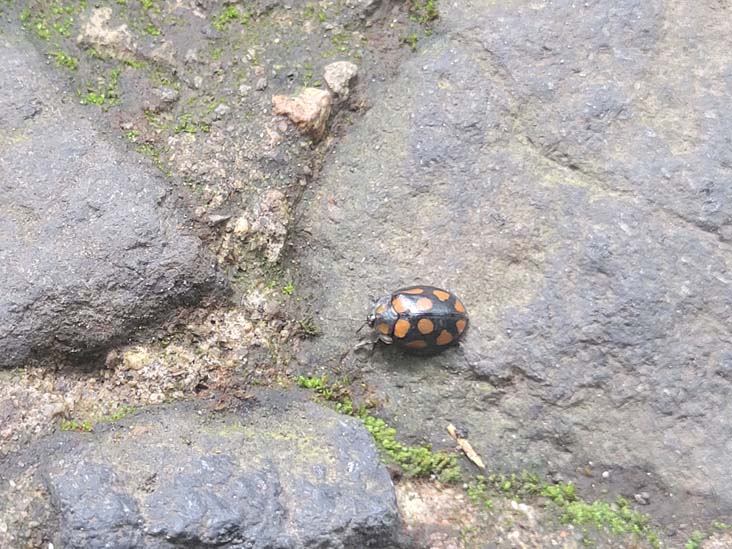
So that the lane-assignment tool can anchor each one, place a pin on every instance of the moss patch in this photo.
(413, 461)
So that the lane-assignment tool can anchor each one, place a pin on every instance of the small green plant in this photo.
(147, 4)
(71, 425)
(228, 15)
(64, 60)
(411, 41)
(424, 13)
(478, 493)
(152, 30)
(695, 540)
(42, 30)
(308, 327)
(118, 414)
(288, 289)
(107, 94)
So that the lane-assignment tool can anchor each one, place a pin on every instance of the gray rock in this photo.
(286, 474)
(90, 244)
(559, 167)
(340, 76)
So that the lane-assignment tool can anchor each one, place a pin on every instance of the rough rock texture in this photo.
(309, 109)
(285, 474)
(562, 167)
(89, 246)
(340, 76)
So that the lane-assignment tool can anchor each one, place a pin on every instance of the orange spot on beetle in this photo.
(444, 338)
(414, 291)
(383, 328)
(425, 326)
(400, 304)
(424, 304)
(401, 327)
(381, 309)
(459, 306)
(460, 326)
(417, 344)
(441, 295)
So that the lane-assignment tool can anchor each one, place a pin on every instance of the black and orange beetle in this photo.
(419, 319)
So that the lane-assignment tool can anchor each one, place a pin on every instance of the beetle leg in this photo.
(385, 339)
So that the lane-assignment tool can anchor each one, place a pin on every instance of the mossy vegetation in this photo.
(413, 461)
(617, 518)
(65, 60)
(230, 14)
(87, 425)
(697, 536)
(614, 517)
(105, 93)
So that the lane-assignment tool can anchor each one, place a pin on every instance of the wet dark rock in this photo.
(559, 167)
(90, 244)
(285, 474)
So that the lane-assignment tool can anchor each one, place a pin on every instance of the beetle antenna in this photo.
(362, 326)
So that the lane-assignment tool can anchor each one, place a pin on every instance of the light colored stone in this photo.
(309, 110)
(136, 358)
(340, 76)
(241, 227)
(97, 32)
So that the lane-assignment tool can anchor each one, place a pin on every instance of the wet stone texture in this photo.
(282, 474)
(564, 168)
(91, 246)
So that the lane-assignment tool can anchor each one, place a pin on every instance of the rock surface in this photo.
(90, 247)
(309, 109)
(286, 473)
(340, 76)
(561, 167)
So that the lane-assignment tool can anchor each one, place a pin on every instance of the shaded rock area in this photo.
(281, 473)
(92, 243)
(563, 168)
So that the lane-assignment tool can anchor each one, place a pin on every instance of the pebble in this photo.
(221, 111)
(309, 109)
(644, 498)
(340, 76)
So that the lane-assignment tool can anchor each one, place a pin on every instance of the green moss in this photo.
(44, 19)
(478, 493)
(71, 425)
(414, 461)
(105, 94)
(152, 30)
(186, 124)
(617, 517)
(118, 414)
(228, 15)
(697, 536)
(65, 60)
(411, 41)
(424, 13)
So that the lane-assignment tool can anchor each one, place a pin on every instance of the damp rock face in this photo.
(283, 475)
(91, 244)
(561, 167)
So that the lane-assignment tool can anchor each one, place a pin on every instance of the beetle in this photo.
(419, 319)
